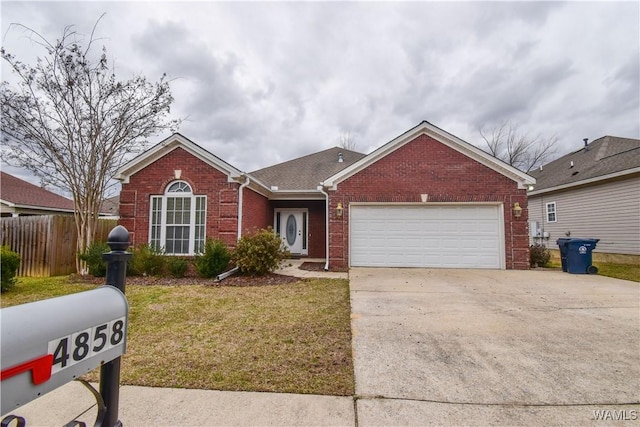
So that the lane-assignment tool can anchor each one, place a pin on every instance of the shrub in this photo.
(93, 257)
(214, 260)
(177, 267)
(539, 255)
(146, 261)
(9, 264)
(259, 253)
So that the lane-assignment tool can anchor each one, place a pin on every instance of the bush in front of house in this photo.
(177, 267)
(539, 255)
(259, 253)
(213, 260)
(93, 257)
(9, 264)
(146, 261)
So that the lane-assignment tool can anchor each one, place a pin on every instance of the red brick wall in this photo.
(222, 196)
(426, 166)
(256, 213)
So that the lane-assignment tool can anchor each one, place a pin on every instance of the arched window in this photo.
(177, 220)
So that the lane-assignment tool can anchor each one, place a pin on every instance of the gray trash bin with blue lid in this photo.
(579, 258)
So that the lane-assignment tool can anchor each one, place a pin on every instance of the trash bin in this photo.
(579, 256)
(562, 244)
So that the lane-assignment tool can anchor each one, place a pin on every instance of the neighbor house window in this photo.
(177, 220)
(551, 212)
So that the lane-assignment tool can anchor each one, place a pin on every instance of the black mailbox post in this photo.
(118, 241)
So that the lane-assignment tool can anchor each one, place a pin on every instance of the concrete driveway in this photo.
(487, 347)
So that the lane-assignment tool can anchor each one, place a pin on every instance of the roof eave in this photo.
(41, 208)
(585, 181)
(297, 195)
(258, 186)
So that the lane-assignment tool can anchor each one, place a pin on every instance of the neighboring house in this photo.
(21, 198)
(109, 207)
(591, 193)
(424, 199)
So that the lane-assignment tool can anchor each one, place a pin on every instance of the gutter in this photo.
(226, 274)
(326, 215)
(240, 199)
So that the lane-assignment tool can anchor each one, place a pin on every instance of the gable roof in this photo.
(17, 193)
(305, 176)
(166, 146)
(605, 158)
(307, 172)
(443, 137)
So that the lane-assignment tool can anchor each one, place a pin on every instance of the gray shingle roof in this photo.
(307, 172)
(604, 156)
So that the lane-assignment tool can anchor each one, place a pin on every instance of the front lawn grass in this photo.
(291, 338)
(617, 271)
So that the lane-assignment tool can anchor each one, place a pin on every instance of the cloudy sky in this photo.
(259, 83)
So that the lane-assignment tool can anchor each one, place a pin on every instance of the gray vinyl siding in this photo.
(609, 212)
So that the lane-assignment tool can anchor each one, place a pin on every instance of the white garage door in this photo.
(448, 236)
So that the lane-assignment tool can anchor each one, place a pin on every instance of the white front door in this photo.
(292, 227)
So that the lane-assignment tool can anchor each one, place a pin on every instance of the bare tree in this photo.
(70, 122)
(518, 149)
(348, 141)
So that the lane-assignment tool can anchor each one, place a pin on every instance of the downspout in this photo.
(321, 188)
(240, 192)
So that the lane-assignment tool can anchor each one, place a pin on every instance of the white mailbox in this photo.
(46, 344)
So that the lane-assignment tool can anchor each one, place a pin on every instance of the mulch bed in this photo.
(270, 279)
(312, 266)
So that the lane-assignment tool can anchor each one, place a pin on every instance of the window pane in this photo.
(177, 240)
(156, 222)
(304, 230)
(551, 212)
(179, 187)
(199, 237)
(173, 224)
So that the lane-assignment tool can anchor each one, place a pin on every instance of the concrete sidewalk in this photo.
(291, 267)
(148, 406)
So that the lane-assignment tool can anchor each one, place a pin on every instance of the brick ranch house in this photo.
(424, 199)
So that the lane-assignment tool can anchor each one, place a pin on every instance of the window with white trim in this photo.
(551, 212)
(177, 220)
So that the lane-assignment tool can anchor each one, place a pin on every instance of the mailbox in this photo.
(46, 344)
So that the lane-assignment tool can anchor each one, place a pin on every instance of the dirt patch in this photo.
(266, 280)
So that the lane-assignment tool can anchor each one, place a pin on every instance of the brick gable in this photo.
(426, 166)
(222, 196)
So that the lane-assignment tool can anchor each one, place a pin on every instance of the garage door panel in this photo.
(451, 236)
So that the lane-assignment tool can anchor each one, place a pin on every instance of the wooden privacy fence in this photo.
(47, 243)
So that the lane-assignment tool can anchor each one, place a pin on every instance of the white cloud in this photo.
(260, 83)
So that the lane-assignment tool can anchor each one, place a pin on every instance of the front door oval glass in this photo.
(291, 230)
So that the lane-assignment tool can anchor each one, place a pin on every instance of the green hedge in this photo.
(9, 264)
(259, 253)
